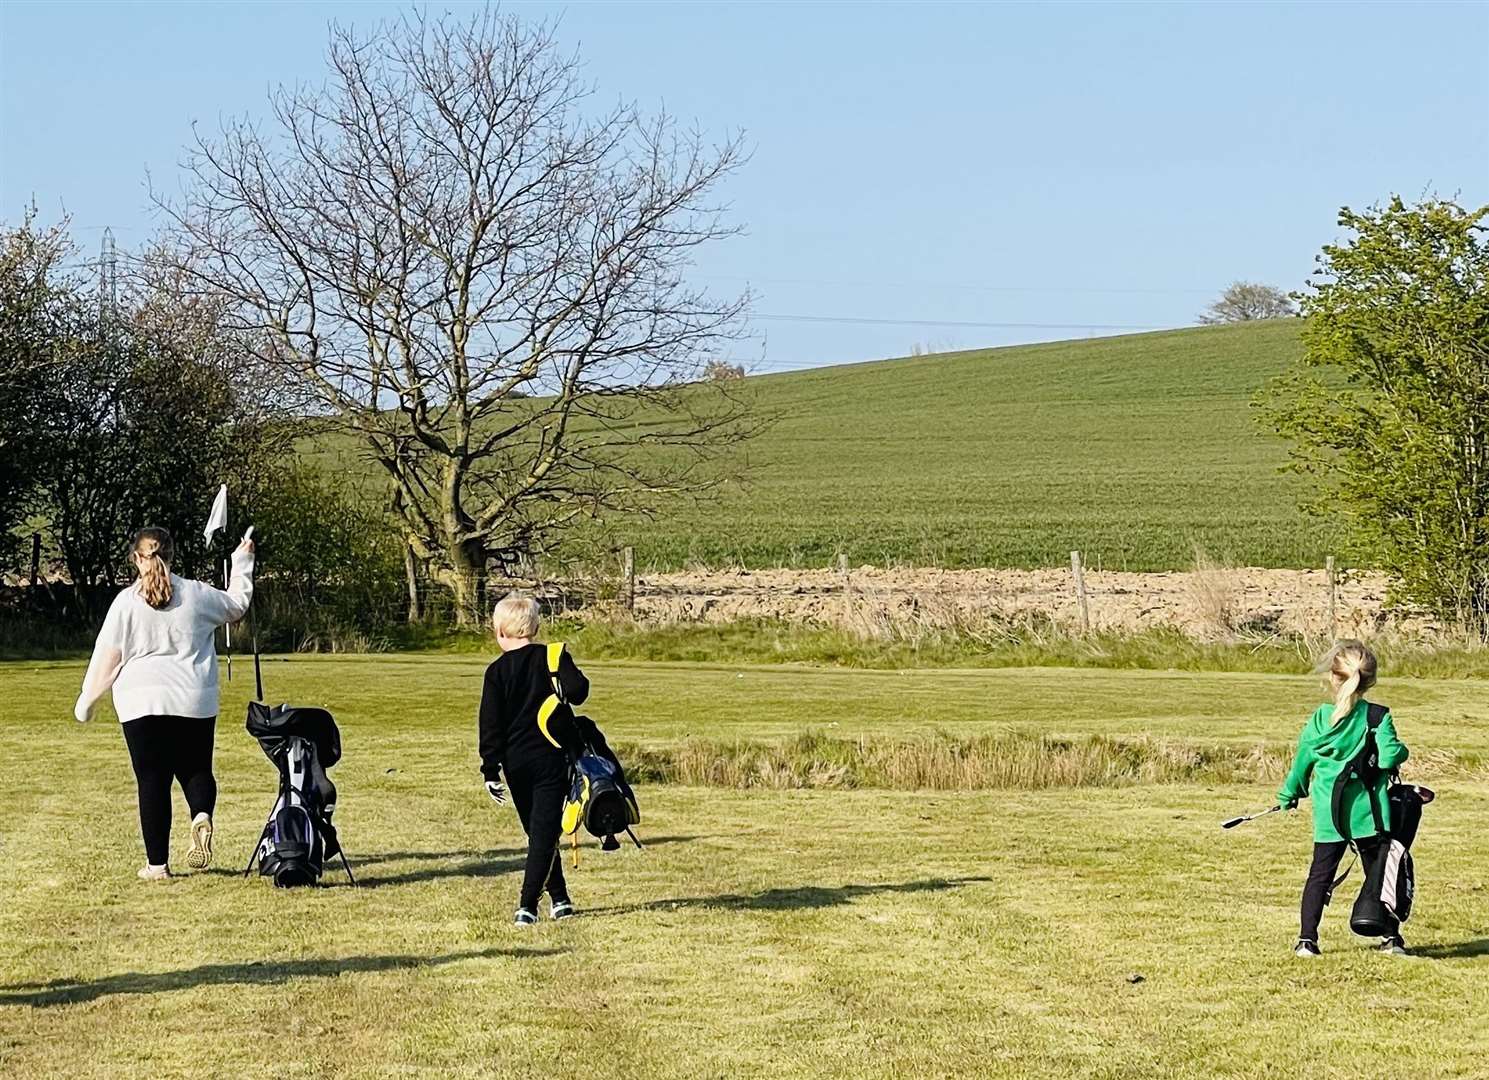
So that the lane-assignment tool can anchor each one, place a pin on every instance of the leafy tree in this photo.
(1244, 301)
(480, 277)
(114, 417)
(1391, 405)
(34, 318)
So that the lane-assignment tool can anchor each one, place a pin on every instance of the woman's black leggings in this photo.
(1326, 858)
(538, 793)
(162, 749)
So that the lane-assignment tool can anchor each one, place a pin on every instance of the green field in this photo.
(1091, 932)
(1133, 449)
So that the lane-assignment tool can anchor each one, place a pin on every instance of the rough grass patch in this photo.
(1015, 760)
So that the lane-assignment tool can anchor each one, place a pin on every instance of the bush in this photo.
(330, 566)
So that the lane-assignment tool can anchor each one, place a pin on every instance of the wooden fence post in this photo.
(628, 568)
(1080, 591)
(1333, 618)
(35, 558)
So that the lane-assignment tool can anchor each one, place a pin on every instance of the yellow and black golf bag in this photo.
(600, 799)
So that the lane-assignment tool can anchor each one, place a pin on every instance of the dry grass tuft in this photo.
(1013, 760)
(1214, 591)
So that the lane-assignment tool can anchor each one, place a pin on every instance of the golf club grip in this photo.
(1233, 822)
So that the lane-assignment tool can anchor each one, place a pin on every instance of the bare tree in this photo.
(481, 278)
(1244, 301)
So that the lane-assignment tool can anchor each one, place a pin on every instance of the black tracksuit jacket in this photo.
(516, 685)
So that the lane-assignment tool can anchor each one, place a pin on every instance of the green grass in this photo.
(1133, 449)
(764, 932)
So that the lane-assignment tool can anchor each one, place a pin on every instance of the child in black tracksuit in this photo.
(532, 740)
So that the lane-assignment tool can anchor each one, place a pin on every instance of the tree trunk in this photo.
(467, 581)
(411, 573)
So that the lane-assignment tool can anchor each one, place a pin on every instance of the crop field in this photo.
(1133, 449)
(1102, 930)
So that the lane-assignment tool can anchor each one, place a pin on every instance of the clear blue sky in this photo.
(1073, 164)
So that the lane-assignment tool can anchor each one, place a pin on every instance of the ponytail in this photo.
(1351, 666)
(153, 551)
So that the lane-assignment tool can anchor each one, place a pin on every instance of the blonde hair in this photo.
(153, 551)
(1351, 667)
(515, 617)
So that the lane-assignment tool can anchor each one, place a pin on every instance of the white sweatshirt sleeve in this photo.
(103, 668)
(232, 605)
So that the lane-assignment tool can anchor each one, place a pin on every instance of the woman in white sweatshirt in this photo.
(157, 652)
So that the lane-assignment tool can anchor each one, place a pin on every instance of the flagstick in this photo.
(227, 628)
(217, 519)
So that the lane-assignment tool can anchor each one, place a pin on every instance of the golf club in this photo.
(1233, 822)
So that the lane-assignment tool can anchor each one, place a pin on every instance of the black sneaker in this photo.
(524, 918)
(1393, 946)
(562, 909)
(1307, 948)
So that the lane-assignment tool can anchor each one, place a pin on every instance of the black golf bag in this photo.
(600, 799)
(1390, 883)
(299, 837)
(1391, 879)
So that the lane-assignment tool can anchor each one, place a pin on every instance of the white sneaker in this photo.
(200, 855)
(154, 873)
(1306, 948)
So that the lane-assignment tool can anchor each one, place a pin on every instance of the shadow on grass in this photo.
(71, 991)
(1461, 950)
(472, 864)
(804, 897)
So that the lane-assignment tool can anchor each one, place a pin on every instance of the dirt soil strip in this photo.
(1198, 602)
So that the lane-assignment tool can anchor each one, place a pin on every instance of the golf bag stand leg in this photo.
(346, 866)
(259, 843)
(253, 858)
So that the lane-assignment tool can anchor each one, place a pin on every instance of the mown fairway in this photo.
(1133, 449)
(764, 933)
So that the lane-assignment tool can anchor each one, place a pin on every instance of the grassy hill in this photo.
(1133, 449)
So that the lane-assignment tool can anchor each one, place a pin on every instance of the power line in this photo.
(867, 321)
(940, 285)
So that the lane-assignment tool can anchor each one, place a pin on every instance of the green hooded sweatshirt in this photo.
(1324, 749)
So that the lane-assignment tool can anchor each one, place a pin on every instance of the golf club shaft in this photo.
(1233, 822)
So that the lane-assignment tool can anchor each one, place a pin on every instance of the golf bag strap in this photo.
(1353, 858)
(1374, 714)
(555, 699)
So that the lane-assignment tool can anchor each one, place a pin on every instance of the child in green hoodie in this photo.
(1331, 738)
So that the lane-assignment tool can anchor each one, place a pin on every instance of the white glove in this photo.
(81, 712)
(496, 791)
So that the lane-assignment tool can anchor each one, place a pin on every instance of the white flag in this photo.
(218, 518)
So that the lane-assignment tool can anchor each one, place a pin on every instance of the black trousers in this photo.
(1326, 859)
(538, 790)
(162, 749)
